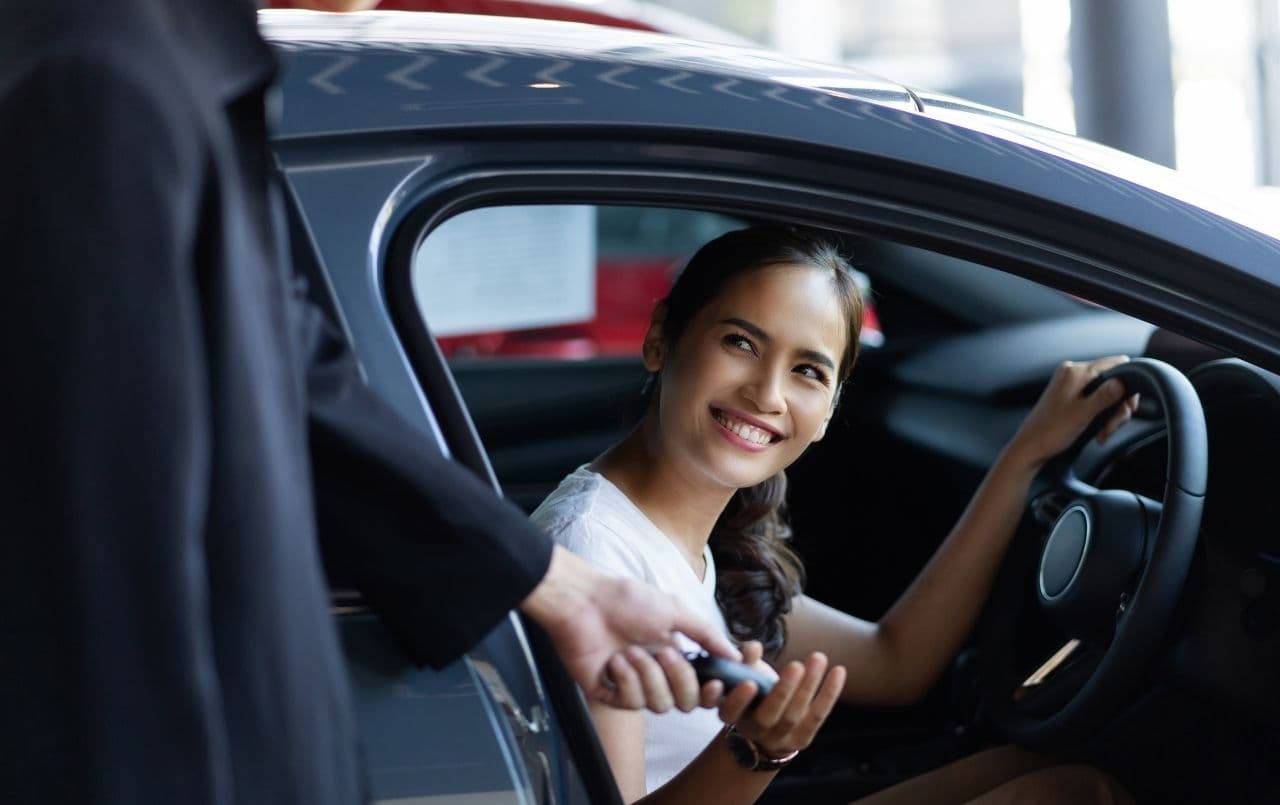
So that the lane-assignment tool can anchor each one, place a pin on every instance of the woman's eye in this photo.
(811, 371)
(740, 342)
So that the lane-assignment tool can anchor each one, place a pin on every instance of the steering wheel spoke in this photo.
(1050, 686)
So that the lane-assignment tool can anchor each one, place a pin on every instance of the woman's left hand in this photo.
(785, 720)
(1062, 412)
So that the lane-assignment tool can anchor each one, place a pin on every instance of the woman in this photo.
(747, 355)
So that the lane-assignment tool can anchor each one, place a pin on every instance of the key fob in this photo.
(709, 667)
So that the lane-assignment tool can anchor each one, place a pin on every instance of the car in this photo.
(450, 176)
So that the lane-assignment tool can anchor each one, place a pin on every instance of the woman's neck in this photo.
(682, 507)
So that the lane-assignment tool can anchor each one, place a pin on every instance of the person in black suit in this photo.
(166, 635)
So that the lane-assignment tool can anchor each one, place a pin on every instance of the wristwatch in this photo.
(749, 756)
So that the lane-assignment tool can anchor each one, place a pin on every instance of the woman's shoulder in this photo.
(583, 515)
(570, 504)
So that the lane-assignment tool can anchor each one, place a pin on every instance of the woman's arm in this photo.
(898, 659)
(713, 776)
(785, 721)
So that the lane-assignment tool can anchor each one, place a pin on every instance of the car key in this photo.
(732, 674)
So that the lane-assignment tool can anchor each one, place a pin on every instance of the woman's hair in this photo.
(757, 571)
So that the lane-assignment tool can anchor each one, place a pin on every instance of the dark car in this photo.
(455, 177)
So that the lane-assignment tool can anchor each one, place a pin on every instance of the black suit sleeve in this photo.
(434, 551)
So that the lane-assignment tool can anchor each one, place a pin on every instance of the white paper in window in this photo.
(508, 268)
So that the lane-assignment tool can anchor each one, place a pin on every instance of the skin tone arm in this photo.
(898, 659)
(785, 721)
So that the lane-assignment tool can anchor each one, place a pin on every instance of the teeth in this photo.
(749, 432)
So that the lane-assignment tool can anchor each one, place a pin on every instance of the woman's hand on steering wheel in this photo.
(1064, 410)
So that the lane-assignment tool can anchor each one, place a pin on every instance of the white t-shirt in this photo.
(593, 518)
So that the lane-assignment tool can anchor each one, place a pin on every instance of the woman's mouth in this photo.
(744, 430)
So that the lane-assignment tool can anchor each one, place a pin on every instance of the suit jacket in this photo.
(166, 635)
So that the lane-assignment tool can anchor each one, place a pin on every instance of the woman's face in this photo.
(752, 381)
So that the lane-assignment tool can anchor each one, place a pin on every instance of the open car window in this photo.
(556, 281)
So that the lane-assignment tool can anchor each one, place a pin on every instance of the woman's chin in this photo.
(737, 476)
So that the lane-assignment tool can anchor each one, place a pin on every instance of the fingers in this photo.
(623, 689)
(752, 652)
(789, 717)
(680, 676)
(830, 692)
(769, 710)
(702, 632)
(1111, 390)
(711, 693)
(802, 700)
(823, 703)
(658, 682)
(635, 679)
(654, 692)
(1122, 415)
(734, 705)
(1100, 365)
(1108, 395)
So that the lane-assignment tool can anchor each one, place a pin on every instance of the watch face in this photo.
(742, 751)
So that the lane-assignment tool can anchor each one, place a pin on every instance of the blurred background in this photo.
(1184, 83)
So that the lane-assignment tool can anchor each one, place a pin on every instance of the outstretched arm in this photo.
(898, 659)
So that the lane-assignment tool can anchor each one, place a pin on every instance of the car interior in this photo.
(541, 326)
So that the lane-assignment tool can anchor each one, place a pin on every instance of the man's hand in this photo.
(614, 636)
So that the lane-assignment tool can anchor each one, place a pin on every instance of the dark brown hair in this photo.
(758, 573)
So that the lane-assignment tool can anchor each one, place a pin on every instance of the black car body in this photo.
(982, 234)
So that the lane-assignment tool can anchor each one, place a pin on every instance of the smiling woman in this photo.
(767, 321)
(747, 355)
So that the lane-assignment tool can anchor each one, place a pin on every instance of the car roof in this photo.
(513, 37)
(400, 71)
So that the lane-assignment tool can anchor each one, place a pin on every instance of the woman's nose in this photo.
(765, 390)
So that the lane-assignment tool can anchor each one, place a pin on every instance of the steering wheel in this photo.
(1110, 574)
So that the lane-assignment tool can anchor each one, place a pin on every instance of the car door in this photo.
(504, 724)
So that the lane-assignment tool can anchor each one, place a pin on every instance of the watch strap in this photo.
(750, 757)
